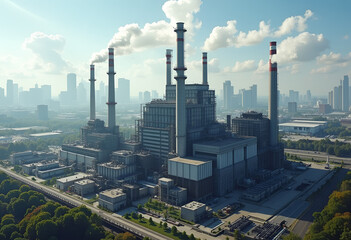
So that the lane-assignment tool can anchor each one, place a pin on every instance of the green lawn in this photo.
(155, 227)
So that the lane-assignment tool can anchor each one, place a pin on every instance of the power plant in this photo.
(178, 141)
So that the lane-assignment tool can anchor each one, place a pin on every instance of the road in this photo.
(118, 222)
(318, 202)
(317, 155)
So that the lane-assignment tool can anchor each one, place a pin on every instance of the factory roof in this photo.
(193, 205)
(84, 182)
(221, 144)
(188, 160)
(165, 180)
(113, 193)
(298, 124)
(75, 177)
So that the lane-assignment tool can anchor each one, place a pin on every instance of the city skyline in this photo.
(48, 45)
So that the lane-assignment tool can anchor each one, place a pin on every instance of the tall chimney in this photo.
(92, 92)
(169, 66)
(111, 90)
(180, 93)
(204, 68)
(273, 95)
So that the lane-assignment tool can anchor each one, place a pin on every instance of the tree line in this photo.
(334, 221)
(26, 215)
(337, 148)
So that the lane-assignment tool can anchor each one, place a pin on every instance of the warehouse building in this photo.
(170, 193)
(303, 127)
(84, 187)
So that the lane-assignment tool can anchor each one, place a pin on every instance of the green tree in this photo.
(24, 188)
(174, 230)
(7, 230)
(192, 237)
(45, 229)
(291, 236)
(151, 222)
(60, 211)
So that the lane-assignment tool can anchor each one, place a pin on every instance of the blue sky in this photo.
(42, 41)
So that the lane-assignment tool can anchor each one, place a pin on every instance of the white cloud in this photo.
(293, 23)
(262, 67)
(245, 66)
(47, 50)
(304, 47)
(331, 62)
(213, 65)
(133, 38)
(228, 36)
(293, 69)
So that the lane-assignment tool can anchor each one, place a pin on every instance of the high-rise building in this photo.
(308, 96)
(82, 94)
(147, 96)
(46, 90)
(292, 107)
(253, 89)
(293, 96)
(72, 87)
(337, 98)
(123, 92)
(331, 98)
(345, 94)
(9, 92)
(15, 94)
(228, 91)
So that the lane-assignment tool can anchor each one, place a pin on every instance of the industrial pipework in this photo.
(180, 93)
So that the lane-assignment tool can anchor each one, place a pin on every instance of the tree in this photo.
(60, 211)
(140, 217)
(134, 215)
(237, 235)
(165, 226)
(45, 229)
(140, 207)
(24, 188)
(7, 219)
(15, 235)
(174, 230)
(95, 219)
(18, 208)
(151, 222)
(7, 230)
(192, 237)
(291, 236)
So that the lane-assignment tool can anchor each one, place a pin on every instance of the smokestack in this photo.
(92, 92)
(169, 66)
(273, 95)
(180, 93)
(111, 90)
(204, 68)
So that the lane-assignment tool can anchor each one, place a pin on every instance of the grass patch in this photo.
(92, 200)
(160, 227)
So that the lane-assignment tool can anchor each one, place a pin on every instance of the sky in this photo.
(41, 41)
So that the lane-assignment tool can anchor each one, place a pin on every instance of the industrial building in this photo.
(170, 193)
(193, 211)
(97, 140)
(66, 182)
(84, 187)
(113, 200)
(303, 127)
(31, 157)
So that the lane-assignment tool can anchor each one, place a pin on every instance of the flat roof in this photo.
(84, 182)
(112, 193)
(310, 121)
(77, 177)
(188, 160)
(44, 134)
(297, 124)
(193, 205)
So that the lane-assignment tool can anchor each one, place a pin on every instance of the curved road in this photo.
(114, 220)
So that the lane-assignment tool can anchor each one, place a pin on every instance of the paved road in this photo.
(117, 221)
(318, 203)
(317, 155)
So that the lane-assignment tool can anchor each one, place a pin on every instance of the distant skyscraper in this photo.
(147, 96)
(293, 96)
(46, 90)
(253, 89)
(9, 92)
(331, 98)
(345, 94)
(123, 93)
(228, 91)
(337, 98)
(15, 94)
(82, 94)
(308, 96)
(2, 95)
(246, 98)
(72, 86)
(292, 107)
(43, 113)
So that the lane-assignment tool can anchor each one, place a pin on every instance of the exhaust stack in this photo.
(273, 95)
(204, 68)
(180, 93)
(92, 92)
(111, 90)
(169, 66)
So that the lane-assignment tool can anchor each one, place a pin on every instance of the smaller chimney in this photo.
(111, 123)
(169, 66)
(204, 68)
(92, 92)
